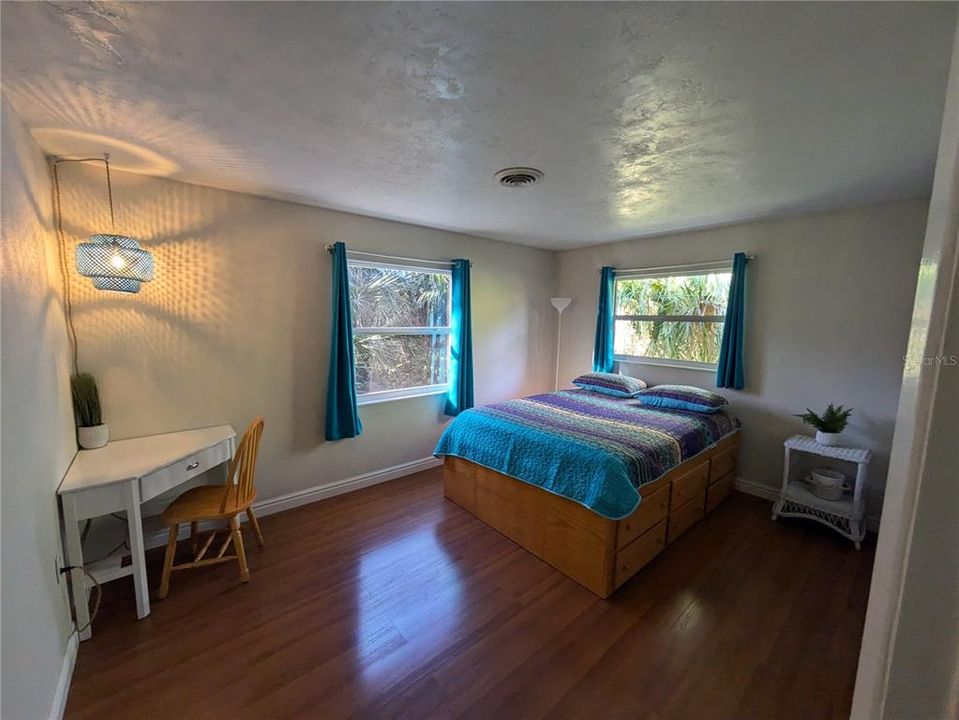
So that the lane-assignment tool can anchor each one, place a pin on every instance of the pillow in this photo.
(682, 397)
(610, 384)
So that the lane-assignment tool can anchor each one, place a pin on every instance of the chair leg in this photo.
(255, 524)
(193, 537)
(240, 551)
(168, 560)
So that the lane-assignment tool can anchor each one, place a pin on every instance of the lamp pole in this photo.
(560, 303)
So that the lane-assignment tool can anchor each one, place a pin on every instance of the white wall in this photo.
(924, 672)
(830, 296)
(909, 662)
(37, 439)
(236, 323)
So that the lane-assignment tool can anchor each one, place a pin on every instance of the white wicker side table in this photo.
(846, 516)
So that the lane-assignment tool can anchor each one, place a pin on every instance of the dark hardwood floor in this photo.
(393, 602)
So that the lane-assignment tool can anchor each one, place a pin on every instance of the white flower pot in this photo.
(93, 437)
(830, 439)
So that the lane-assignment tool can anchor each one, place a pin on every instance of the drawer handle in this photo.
(193, 465)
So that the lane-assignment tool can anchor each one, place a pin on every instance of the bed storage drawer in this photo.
(652, 509)
(719, 491)
(690, 485)
(723, 462)
(681, 519)
(640, 551)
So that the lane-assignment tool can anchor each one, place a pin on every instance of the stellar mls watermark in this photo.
(927, 360)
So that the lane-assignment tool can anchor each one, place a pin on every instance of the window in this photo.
(671, 319)
(401, 327)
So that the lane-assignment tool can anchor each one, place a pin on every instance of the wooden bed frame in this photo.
(598, 553)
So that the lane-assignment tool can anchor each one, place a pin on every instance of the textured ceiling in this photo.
(644, 117)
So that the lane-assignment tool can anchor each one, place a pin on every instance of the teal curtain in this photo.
(730, 372)
(603, 348)
(342, 415)
(460, 395)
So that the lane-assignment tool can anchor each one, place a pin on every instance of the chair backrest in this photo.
(239, 487)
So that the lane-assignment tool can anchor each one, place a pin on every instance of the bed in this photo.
(595, 485)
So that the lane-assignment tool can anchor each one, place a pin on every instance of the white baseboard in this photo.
(63, 681)
(315, 494)
(339, 487)
(754, 488)
(767, 493)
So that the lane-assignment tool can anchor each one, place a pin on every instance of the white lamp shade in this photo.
(561, 303)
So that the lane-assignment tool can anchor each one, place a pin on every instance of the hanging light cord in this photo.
(62, 243)
(68, 306)
(106, 162)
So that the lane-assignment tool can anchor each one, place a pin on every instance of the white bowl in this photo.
(827, 484)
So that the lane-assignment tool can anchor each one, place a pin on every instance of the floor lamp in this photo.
(560, 304)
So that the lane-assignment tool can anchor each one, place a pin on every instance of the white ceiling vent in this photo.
(518, 176)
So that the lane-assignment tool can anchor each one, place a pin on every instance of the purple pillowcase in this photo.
(682, 397)
(610, 384)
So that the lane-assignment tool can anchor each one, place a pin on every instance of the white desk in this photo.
(120, 477)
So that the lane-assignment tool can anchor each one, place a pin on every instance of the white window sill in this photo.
(660, 362)
(402, 394)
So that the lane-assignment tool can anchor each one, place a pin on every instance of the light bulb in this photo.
(118, 262)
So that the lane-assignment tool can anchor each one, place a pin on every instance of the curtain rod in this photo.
(684, 266)
(382, 256)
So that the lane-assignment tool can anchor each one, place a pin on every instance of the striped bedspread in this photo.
(591, 448)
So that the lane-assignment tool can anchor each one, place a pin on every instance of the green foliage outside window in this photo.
(691, 295)
(390, 298)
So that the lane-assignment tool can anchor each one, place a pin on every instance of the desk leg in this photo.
(135, 529)
(73, 549)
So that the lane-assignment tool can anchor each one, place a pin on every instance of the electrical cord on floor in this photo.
(81, 568)
(86, 530)
(123, 544)
(99, 589)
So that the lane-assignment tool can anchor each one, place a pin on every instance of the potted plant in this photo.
(92, 432)
(829, 425)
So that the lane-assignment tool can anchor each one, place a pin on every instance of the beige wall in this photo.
(36, 430)
(236, 323)
(830, 297)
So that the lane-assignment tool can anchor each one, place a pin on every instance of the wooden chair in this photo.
(215, 502)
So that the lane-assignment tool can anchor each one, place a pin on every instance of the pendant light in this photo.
(114, 262)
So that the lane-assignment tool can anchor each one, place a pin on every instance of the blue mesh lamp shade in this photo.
(114, 262)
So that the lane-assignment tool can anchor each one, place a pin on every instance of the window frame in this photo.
(711, 268)
(371, 398)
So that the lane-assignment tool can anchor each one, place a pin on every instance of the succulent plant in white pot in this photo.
(92, 432)
(829, 425)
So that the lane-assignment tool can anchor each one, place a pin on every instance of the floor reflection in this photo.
(411, 586)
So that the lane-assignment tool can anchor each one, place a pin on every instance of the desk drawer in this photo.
(691, 485)
(179, 472)
(682, 519)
